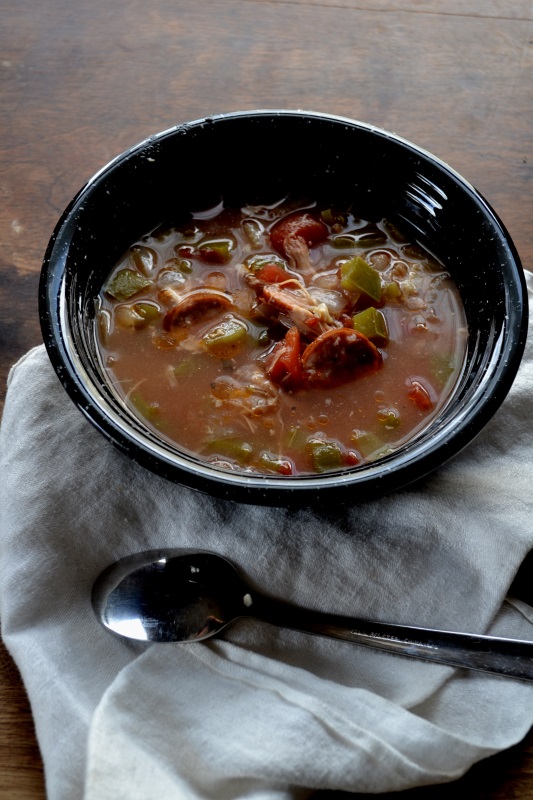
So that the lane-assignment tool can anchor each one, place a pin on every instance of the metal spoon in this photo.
(186, 596)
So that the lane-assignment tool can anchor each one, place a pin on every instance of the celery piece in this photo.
(296, 439)
(217, 251)
(331, 217)
(389, 418)
(180, 264)
(225, 338)
(371, 239)
(372, 324)
(359, 277)
(231, 447)
(442, 367)
(150, 411)
(392, 291)
(326, 455)
(125, 284)
(367, 443)
(275, 463)
(147, 311)
(184, 369)
(344, 241)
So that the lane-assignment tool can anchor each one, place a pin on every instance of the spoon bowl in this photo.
(181, 595)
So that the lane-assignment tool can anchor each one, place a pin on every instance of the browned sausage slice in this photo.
(338, 356)
(195, 306)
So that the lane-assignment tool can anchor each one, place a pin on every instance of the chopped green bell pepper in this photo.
(372, 324)
(225, 338)
(233, 447)
(125, 284)
(357, 276)
(326, 455)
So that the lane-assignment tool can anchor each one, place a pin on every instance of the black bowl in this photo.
(251, 157)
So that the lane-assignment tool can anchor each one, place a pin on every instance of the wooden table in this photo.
(83, 81)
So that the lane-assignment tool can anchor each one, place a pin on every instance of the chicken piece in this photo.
(297, 251)
(299, 225)
(248, 391)
(292, 236)
(309, 316)
(291, 298)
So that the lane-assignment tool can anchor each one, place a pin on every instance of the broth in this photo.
(282, 339)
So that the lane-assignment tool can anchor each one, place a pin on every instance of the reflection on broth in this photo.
(282, 340)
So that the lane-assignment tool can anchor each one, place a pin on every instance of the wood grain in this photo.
(81, 82)
(495, 9)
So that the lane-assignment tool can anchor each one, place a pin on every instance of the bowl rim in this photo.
(414, 460)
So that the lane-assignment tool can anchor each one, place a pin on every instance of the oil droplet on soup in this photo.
(285, 339)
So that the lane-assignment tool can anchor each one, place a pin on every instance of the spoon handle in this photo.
(510, 657)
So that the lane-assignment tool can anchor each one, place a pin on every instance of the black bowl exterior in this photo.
(261, 156)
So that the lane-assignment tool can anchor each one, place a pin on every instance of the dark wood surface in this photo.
(80, 82)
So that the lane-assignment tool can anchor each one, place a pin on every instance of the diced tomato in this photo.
(309, 228)
(272, 273)
(351, 459)
(212, 256)
(420, 396)
(284, 365)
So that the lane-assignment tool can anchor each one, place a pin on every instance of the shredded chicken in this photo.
(297, 251)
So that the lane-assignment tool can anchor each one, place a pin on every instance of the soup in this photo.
(288, 339)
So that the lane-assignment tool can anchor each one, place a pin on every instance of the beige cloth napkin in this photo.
(262, 713)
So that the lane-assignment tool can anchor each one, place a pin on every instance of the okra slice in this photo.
(357, 276)
(125, 284)
(372, 324)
